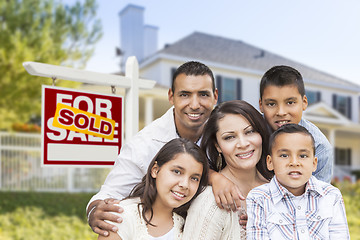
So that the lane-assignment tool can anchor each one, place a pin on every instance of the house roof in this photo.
(236, 53)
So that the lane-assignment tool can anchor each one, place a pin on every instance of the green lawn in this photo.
(55, 216)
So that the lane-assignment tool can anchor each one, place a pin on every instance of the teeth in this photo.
(179, 194)
(294, 173)
(282, 122)
(244, 154)
(194, 115)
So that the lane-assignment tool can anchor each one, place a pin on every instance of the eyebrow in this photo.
(249, 126)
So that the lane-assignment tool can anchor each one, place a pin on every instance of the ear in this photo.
(216, 96)
(315, 164)
(171, 96)
(154, 170)
(269, 163)
(260, 106)
(218, 148)
(304, 102)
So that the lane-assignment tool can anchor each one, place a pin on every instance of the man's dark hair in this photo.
(281, 76)
(290, 128)
(193, 68)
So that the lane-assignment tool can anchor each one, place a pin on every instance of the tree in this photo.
(46, 31)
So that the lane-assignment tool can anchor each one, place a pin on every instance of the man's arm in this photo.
(226, 193)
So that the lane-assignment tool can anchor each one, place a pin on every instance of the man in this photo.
(193, 96)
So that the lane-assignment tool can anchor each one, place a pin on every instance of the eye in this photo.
(303, 156)
(184, 95)
(196, 179)
(291, 102)
(176, 171)
(271, 104)
(204, 95)
(284, 155)
(228, 137)
(250, 131)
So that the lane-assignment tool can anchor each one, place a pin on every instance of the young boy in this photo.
(295, 205)
(282, 101)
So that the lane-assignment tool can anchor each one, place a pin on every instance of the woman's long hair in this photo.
(257, 121)
(146, 189)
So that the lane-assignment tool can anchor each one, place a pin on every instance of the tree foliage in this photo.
(46, 31)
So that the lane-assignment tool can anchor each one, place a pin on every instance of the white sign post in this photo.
(130, 82)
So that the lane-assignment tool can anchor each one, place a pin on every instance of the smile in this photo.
(178, 195)
(194, 116)
(295, 174)
(245, 155)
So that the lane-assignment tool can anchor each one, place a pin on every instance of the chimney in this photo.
(136, 38)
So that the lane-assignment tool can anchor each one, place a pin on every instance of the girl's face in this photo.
(239, 143)
(177, 180)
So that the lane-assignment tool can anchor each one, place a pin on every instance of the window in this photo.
(342, 104)
(313, 96)
(343, 156)
(228, 88)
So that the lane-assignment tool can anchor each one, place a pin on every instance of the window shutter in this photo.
(318, 96)
(349, 107)
(334, 101)
(348, 160)
(219, 87)
(238, 88)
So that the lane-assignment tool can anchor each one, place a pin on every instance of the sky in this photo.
(323, 34)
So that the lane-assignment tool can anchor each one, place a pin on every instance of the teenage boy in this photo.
(282, 101)
(193, 96)
(295, 205)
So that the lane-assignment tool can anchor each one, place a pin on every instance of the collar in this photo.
(278, 192)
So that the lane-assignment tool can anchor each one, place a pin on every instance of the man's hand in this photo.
(100, 211)
(227, 194)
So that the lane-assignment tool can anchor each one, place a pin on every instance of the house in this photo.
(334, 103)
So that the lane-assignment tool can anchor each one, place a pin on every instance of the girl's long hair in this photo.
(146, 189)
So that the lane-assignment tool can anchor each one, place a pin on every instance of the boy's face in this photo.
(282, 105)
(293, 161)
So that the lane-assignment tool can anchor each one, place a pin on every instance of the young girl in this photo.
(157, 207)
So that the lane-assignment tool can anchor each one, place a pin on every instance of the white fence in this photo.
(20, 168)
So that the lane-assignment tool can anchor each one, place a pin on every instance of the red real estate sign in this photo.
(80, 128)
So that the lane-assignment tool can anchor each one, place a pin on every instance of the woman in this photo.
(235, 139)
(156, 207)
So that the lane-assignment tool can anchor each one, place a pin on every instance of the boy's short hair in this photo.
(281, 76)
(193, 68)
(290, 128)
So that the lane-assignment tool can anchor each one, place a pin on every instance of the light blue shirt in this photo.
(323, 151)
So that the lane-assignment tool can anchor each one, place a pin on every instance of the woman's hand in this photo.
(100, 210)
(227, 195)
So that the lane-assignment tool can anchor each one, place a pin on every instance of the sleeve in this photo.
(126, 229)
(205, 221)
(338, 227)
(324, 153)
(130, 166)
(256, 224)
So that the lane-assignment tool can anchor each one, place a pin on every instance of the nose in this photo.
(184, 182)
(194, 102)
(281, 110)
(294, 162)
(242, 142)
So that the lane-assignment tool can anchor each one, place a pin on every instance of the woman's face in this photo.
(239, 143)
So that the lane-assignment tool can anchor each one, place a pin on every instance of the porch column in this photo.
(149, 110)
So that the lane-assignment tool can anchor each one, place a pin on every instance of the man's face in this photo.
(293, 161)
(193, 101)
(282, 105)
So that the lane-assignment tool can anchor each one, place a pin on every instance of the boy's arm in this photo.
(256, 224)
(338, 227)
(226, 193)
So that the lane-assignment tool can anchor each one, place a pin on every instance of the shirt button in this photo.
(280, 221)
(299, 207)
(318, 217)
(302, 230)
